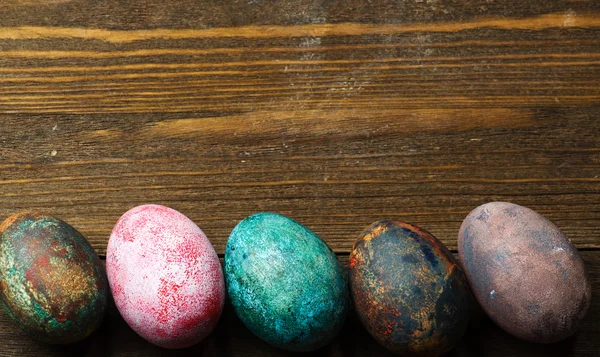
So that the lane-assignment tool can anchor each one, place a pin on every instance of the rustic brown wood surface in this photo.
(336, 113)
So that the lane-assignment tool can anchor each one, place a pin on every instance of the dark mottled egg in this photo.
(524, 272)
(51, 280)
(284, 282)
(408, 289)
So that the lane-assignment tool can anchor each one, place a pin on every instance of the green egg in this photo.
(284, 282)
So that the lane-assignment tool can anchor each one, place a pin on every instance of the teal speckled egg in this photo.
(284, 282)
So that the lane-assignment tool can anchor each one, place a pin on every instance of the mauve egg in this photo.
(165, 276)
(408, 290)
(524, 272)
(51, 280)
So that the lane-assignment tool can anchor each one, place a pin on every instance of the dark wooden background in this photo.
(334, 112)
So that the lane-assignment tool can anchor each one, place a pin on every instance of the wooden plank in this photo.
(231, 338)
(145, 14)
(247, 58)
(333, 174)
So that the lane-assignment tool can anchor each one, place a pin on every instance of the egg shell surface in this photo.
(52, 283)
(408, 290)
(284, 282)
(525, 273)
(165, 276)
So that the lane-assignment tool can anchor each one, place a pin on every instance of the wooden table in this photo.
(336, 113)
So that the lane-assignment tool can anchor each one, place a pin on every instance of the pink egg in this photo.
(165, 276)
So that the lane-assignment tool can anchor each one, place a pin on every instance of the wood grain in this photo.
(335, 171)
(336, 113)
(201, 57)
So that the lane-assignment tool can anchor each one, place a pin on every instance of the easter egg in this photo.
(525, 273)
(408, 290)
(165, 276)
(51, 280)
(284, 282)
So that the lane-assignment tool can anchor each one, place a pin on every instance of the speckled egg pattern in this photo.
(408, 290)
(51, 280)
(524, 272)
(284, 282)
(165, 276)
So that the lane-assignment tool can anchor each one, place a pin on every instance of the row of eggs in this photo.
(286, 284)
